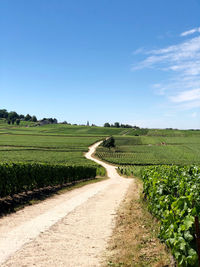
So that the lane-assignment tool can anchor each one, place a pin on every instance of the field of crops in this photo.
(154, 150)
(49, 149)
(53, 154)
(173, 197)
(21, 177)
(28, 128)
(35, 156)
(53, 144)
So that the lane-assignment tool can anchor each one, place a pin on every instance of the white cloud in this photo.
(190, 95)
(185, 52)
(190, 32)
(182, 62)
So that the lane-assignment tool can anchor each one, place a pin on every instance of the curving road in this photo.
(70, 230)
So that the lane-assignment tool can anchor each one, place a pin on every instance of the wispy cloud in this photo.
(192, 31)
(138, 51)
(182, 62)
(190, 95)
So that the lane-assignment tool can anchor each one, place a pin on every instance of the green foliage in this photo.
(19, 177)
(3, 113)
(109, 142)
(131, 171)
(34, 119)
(62, 129)
(28, 117)
(107, 124)
(153, 150)
(173, 194)
(18, 121)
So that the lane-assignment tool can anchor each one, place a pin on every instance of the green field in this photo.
(175, 147)
(32, 156)
(28, 128)
(55, 143)
(60, 143)
(44, 148)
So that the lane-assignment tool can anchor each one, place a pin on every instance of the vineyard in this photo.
(22, 177)
(172, 193)
(173, 197)
(48, 149)
(153, 150)
(35, 157)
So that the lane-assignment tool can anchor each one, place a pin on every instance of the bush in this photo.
(110, 142)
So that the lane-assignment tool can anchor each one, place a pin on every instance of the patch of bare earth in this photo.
(134, 240)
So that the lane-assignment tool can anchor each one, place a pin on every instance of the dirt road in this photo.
(69, 230)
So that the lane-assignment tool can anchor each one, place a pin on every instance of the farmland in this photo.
(33, 157)
(44, 148)
(49, 144)
(169, 147)
(170, 182)
(66, 144)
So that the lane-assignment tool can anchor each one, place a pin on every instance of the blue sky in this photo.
(135, 62)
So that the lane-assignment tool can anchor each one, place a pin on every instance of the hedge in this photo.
(19, 177)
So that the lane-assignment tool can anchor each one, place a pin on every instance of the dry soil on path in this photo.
(69, 230)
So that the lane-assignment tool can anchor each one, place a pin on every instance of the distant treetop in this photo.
(12, 117)
(118, 125)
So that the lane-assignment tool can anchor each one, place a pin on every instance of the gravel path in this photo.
(70, 230)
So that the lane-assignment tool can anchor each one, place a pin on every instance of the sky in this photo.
(135, 62)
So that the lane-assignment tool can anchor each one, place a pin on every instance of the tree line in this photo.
(118, 125)
(13, 117)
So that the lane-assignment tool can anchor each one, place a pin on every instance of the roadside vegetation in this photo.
(134, 242)
(170, 192)
(173, 197)
(22, 177)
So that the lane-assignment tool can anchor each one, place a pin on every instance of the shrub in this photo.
(110, 142)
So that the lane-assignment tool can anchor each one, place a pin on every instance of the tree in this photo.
(18, 121)
(110, 142)
(106, 124)
(34, 119)
(117, 125)
(12, 117)
(28, 117)
(3, 113)
(21, 116)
